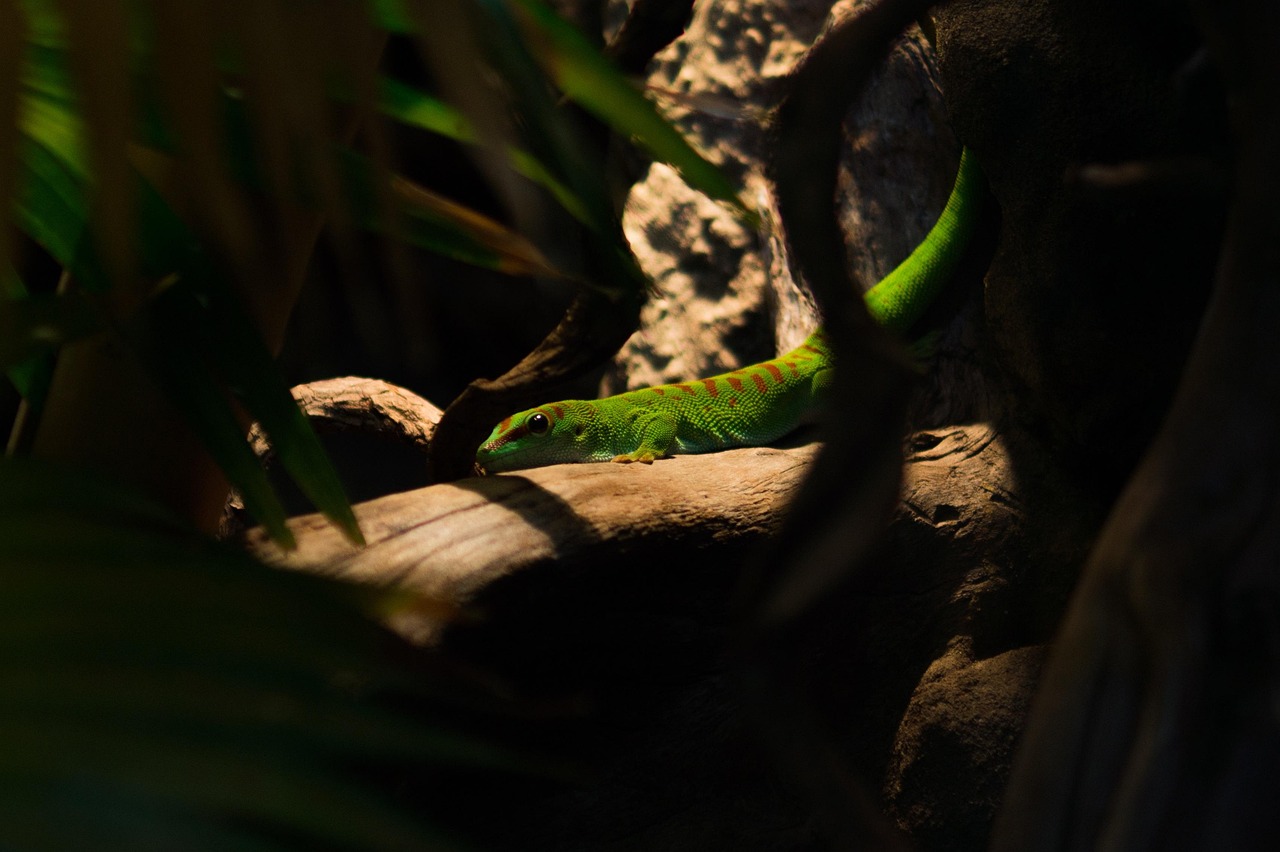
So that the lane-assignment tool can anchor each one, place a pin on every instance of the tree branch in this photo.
(440, 541)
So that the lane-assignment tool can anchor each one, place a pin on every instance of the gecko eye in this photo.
(538, 423)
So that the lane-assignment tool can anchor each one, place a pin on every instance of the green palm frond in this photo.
(154, 681)
(201, 142)
(175, 160)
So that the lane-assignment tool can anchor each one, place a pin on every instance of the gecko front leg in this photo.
(656, 433)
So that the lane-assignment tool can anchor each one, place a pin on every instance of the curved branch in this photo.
(844, 506)
(855, 486)
(368, 406)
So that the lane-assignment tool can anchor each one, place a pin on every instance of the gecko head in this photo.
(558, 433)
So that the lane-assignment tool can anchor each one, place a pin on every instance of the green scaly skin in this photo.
(748, 407)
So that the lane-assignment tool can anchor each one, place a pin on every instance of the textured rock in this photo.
(965, 713)
(726, 296)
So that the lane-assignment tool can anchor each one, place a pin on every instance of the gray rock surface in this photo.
(726, 295)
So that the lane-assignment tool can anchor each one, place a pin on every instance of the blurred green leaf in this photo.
(391, 15)
(45, 73)
(30, 376)
(431, 221)
(44, 23)
(588, 78)
(556, 137)
(34, 325)
(164, 341)
(244, 364)
(448, 228)
(52, 201)
(53, 124)
(280, 140)
(419, 217)
(410, 106)
(154, 681)
(52, 211)
(31, 379)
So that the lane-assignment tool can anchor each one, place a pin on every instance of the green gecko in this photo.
(747, 407)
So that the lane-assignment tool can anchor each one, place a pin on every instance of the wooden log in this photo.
(449, 541)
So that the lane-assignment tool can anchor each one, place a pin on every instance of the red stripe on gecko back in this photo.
(791, 365)
(686, 388)
(815, 350)
(710, 385)
(759, 380)
(736, 384)
(773, 370)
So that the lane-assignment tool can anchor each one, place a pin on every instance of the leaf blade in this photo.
(588, 78)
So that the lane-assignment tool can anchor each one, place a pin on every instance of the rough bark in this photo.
(439, 541)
